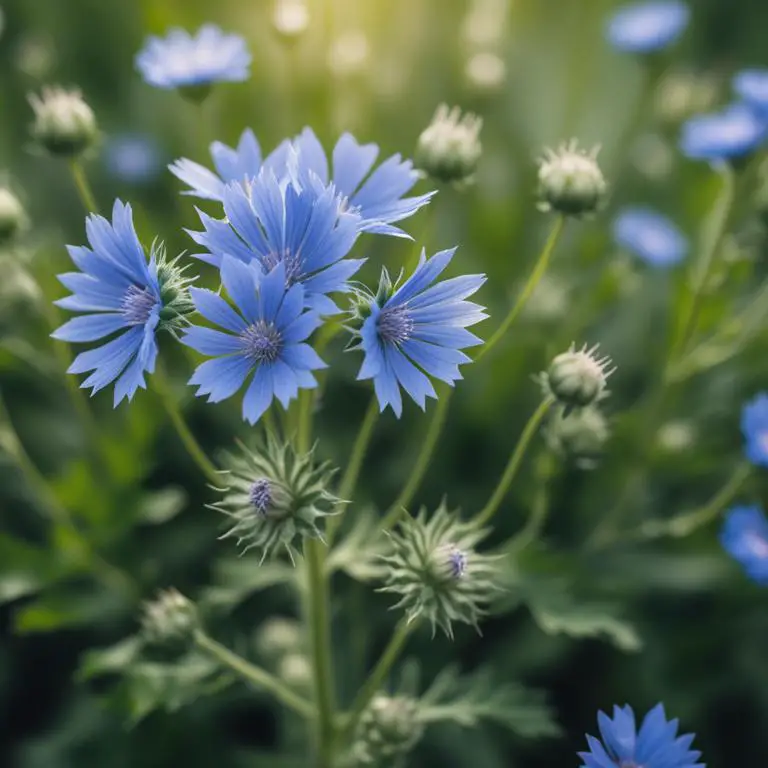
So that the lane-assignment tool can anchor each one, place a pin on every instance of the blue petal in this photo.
(415, 383)
(271, 292)
(210, 342)
(302, 327)
(221, 377)
(312, 154)
(351, 163)
(424, 275)
(240, 282)
(203, 183)
(284, 381)
(391, 180)
(259, 395)
(454, 289)
(112, 350)
(243, 217)
(303, 357)
(90, 327)
(212, 307)
(387, 390)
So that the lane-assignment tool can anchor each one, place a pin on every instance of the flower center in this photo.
(292, 262)
(395, 325)
(262, 342)
(457, 563)
(137, 305)
(260, 495)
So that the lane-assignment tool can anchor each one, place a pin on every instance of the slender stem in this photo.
(530, 286)
(514, 463)
(380, 671)
(355, 463)
(318, 610)
(253, 674)
(422, 460)
(197, 454)
(83, 187)
(304, 429)
(539, 509)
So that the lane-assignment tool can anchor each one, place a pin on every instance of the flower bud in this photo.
(578, 378)
(388, 730)
(449, 148)
(64, 125)
(295, 670)
(290, 18)
(277, 637)
(570, 181)
(12, 215)
(579, 436)
(170, 620)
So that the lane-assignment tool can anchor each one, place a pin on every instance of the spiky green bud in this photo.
(174, 289)
(577, 378)
(12, 215)
(275, 495)
(579, 436)
(170, 620)
(64, 125)
(449, 148)
(570, 181)
(436, 571)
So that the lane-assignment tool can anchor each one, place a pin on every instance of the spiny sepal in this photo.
(174, 288)
(434, 568)
(275, 495)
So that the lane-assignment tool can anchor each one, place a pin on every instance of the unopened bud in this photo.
(577, 378)
(570, 181)
(64, 125)
(449, 148)
(389, 729)
(580, 436)
(170, 620)
(12, 215)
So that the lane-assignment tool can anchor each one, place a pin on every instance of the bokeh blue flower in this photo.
(181, 60)
(655, 745)
(132, 158)
(731, 133)
(754, 427)
(745, 537)
(263, 335)
(119, 293)
(302, 225)
(751, 85)
(647, 26)
(419, 331)
(650, 236)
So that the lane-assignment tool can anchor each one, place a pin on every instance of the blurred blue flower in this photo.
(745, 538)
(649, 235)
(754, 427)
(132, 158)
(649, 26)
(181, 60)
(263, 336)
(656, 745)
(422, 326)
(751, 85)
(376, 197)
(120, 293)
(733, 132)
(302, 225)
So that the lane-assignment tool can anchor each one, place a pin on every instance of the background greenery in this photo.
(675, 621)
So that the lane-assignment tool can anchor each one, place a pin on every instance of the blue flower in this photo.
(302, 225)
(132, 158)
(745, 538)
(242, 164)
(649, 235)
(419, 330)
(733, 132)
(754, 427)
(647, 27)
(263, 336)
(121, 295)
(751, 85)
(181, 60)
(657, 745)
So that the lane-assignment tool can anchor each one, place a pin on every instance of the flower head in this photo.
(449, 148)
(656, 745)
(121, 296)
(170, 619)
(732, 133)
(751, 85)
(418, 331)
(13, 218)
(577, 378)
(300, 225)
(744, 537)
(264, 336)
(389, 728)
(132, 158)
(64, 124)
(754, 427)
(570, 181)
(184, 61)
(645, 27)
(651, 236)
(296, 499)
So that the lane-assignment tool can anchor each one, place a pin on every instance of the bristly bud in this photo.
(579, 436)
(577, 378)
(388, 730)
(12, 215)
(174, 289)
(170, 621)
(277, 637)
(570, 181)
(435, 570)
(64, 125)
(275, 495)
(449, 148)
(361, 300)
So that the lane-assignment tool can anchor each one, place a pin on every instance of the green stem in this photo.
(318, 615)
(197, 454)
(83, 187)
(539, 509)
(355, 463)
(513, 464)
(530, 286)
(422, 460)
(304, 429)
(376, 678)
(253, 674)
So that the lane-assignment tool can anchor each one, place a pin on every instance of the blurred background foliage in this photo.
(672, 620)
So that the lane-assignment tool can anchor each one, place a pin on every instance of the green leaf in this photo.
(237, 578)
(115, 658)
(24, 568)
(161, 506)
(64, 607)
